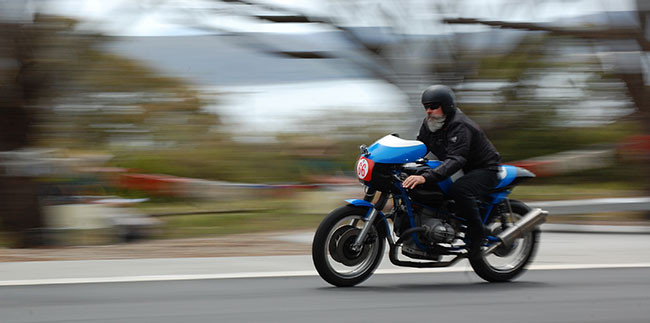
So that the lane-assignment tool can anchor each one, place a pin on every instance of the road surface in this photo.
(575, 278)
(584, 295)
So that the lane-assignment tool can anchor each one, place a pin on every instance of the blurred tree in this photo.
(102, 100)
(415, 47)
(633, 68)
(391, 53)
(59, 89)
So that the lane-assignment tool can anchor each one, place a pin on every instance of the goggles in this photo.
(432, 106)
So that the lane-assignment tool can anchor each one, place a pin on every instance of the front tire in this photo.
(505, 264)
(335, 262)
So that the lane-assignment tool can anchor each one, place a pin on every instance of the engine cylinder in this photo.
(438, 231)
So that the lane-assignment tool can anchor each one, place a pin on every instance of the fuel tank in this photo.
(394, 150)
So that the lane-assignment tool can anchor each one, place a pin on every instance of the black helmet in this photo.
(440, 95)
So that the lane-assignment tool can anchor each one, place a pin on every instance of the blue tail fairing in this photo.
(507, 174)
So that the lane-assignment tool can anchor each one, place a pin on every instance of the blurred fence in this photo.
(193, 188)
(590, 206)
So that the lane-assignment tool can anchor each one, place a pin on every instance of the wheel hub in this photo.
(336, 236)
(340, 246)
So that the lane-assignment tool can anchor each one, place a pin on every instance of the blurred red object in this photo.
(152, 183)
(635, 147)
(540, 168)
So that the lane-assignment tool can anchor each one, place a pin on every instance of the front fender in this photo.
(358, 202)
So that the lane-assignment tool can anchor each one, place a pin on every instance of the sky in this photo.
(165, 18)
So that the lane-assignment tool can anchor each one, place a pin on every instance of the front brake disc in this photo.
(334, 240)
(344, 251)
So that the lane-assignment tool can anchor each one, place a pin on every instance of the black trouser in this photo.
(465, 191)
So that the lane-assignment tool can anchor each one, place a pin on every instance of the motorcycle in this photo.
(421, 224)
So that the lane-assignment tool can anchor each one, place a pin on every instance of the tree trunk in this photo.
(20, 214)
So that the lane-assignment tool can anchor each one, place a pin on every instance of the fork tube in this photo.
(370, 195)
(370, 220)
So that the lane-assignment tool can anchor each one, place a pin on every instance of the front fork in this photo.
(370, 217)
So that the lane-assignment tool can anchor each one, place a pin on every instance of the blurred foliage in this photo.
(622, 176)
(510, 66)
(522, 123)
(103, 102)
(219, 224)
(228, 162)
(525, 143)
(98, 100)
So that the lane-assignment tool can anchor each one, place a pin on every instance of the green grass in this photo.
(186, 226)
(305, 210)
(294, 212)
(264, 213)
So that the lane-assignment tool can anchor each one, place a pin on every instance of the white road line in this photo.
(595, 202)
(128, 279)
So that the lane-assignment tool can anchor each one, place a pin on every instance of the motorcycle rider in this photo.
(460, 144)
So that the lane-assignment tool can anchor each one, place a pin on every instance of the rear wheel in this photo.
(506, 263)
(332, 254)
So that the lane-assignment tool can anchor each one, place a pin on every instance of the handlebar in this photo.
(400, 177)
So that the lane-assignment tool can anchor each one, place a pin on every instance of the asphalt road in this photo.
(585, 295)
(574, 278)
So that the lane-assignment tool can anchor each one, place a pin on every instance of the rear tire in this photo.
(505, 264)
(335, 262)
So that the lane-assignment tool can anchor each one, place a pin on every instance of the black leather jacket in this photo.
(459, 144)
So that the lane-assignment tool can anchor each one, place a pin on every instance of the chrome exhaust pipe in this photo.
(526, 224)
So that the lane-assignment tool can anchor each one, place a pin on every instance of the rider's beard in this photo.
(434, 124)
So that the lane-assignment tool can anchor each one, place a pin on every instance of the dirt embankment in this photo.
(253, 244)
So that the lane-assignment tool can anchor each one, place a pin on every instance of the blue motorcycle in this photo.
(421, 226)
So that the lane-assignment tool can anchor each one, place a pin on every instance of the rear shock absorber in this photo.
(504, 212)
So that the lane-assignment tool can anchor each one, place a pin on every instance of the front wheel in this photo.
(506, 263)
(332, 254)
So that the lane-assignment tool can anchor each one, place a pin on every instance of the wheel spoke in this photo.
(508, 259)
(341, 260)
(334, 258)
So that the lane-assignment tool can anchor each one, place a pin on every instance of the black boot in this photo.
(475, 242)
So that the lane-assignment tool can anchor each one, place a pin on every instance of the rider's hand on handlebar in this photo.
(413, 181)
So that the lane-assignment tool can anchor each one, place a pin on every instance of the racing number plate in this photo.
(364, 168)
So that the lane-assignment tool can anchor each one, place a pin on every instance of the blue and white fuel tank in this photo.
(394, 150)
